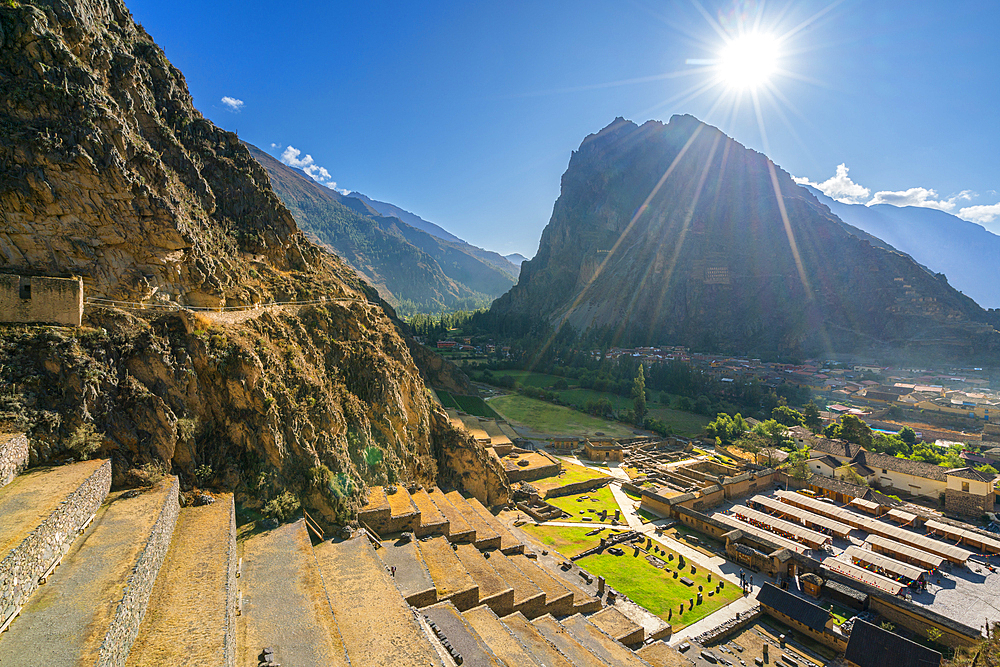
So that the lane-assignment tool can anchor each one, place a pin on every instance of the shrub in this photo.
(203, 473)
(85, 441)
(283, 507)
(155, 470)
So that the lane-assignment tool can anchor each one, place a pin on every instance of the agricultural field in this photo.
(529, 379)
(472, 405)
(588, 504)
(551, 419)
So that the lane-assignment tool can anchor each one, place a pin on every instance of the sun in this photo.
(748, 61)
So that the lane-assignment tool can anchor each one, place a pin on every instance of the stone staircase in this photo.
(145, 582)
(82, 580)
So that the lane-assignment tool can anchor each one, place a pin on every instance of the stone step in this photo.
(376, 625)
(659, 654)
(411, 577)
(432, 522)
(376, 511)
(403, 516)
(529, 599)
(285, 605)
(494, 591)
(600, 643)
(583, 602)
(486, 537)
(191, 616)
(90, 611)
(537, 644)
(558, 597)
(621, 628)
(457, 635)
(41, 513)
(501, 640)
(567, 643)
(508, 543)
(451, 580)
(459, 529)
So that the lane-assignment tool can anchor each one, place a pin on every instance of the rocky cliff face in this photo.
(106, 170)
(673, 234)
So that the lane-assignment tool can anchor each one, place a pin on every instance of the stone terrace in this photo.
(463, 639)
(536, 642)
(432, 522)
(81, 614)
(411, 578)
(376, 625)
(486, 537)
(600, 643)
(553, 630)
(529, 599)
(558, 598)
(619, 626)
(451, 579)
(285, 606)
(459, 530)
(508, 543)
(191, 615)
(505, 645)
(494, 591)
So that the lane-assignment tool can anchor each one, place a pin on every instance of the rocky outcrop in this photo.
(108, 171)
(674, 234)
(468, 465)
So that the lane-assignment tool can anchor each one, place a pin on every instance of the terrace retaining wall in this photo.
(27, 562)
(578, 487)
(13, 456)
(124, 627)
(229, 653)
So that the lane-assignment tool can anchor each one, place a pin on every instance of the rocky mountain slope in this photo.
(967, 253)
(412, 269)
(108, 171)
(672, 234)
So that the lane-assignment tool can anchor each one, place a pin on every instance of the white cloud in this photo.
(981, 214)
(922, 197)
(839, 187)
(232, 103)
(290, 156)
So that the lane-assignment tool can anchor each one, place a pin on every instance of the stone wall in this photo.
(968, 504)
(231, 589)
(26, 563)
(919, 623)
(578, 487)
(40, 299)
(128, 616)
(13, 456)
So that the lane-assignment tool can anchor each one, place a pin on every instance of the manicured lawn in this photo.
(571, 473)
(566, 540)
(840, 614)
(591, 506)
(555, 419)
(581, 397)
(656, 589)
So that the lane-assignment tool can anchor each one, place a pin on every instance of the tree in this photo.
(851, 476)
(726, 428)
(987, 468)
(907, 435)
(810, 415)
(852, 429)
(787, 416)
(773, 431)
(639, 395)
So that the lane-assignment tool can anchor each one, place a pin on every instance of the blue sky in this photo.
(466, 113)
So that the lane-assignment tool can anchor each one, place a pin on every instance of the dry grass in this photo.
(187, 608)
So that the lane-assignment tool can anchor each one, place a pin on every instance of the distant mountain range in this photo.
(516, 258)
(673, 234)
(967, 253)
(416, 269)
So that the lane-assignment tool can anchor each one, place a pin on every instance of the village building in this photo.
(802, 615)
(603, 450)
(871, 646)
(41, 300)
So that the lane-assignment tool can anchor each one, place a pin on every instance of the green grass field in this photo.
(566, 540)
(446, 399)
(554, 419)
(571, 473)
(529, 379)
(600, 499)
(683, 423)
(656, 589)
(475, 406)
